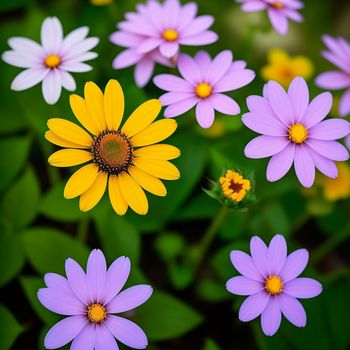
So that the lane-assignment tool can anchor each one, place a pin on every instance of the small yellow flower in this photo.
(101, 2)
(339, 188)
(128, 160)
(234, 186)
(283, 68)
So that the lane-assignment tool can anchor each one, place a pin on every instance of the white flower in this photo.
(51, 61)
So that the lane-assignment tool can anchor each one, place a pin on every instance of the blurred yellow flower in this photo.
(127, 159)
(283, 68)
(101, 2)
(339, 188)
(217, 130)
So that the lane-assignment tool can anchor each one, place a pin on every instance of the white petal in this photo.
(73, 38)
(81, 47)
(67, 81)
(52, 87)
(22, 60)
(28, 78)
(51, 34)
(75, 67)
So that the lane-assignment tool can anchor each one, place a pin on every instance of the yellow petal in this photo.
(94, 103)
(142, 117)
(69, 131)
(93, 195)
(156, 132)
(113, 104)
(148, 182)
(160, 151)
(80, 111)
(80, 181)
(69, 157)
(133, 194)
(56, 140)
(118, 202)
(278, 57)
(158, 168)
(302, 67)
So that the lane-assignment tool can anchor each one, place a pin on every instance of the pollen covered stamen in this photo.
(298, 133)
(234, 186)
(273, 285)
(278, 5)
(96, 313)
(203, 90)
(112, 152)
(170, 35)
(52, 61)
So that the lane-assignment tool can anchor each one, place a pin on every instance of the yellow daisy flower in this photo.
(339, 188)
(283, 68)
(101, 2)
(234, 186)
(129, 159)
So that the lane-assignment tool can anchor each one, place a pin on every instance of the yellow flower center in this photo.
(234, 186)
(170, 35)
(278, 5)
(298, 133)
(203, 90)
(52, 61)
(274, 284)
(112, 151)
(96, 313)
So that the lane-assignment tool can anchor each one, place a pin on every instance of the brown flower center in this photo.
(112, 152)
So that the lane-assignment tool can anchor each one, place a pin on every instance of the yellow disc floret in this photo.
(170, 35)
(274, 284)
(52, 61)
(203, 90)
(234, 186)
(298, 133)
(278, 5)
(96, 313)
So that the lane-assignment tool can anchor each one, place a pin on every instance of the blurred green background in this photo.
(39, 229)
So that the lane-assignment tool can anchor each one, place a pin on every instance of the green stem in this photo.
(329, 245)
(82, 230)
(209, 235)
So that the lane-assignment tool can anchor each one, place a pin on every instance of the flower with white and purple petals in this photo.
(155, 33)
(270, 280)
(339, 54)
(203, 82)
(293, 131)
(89, 300)
(279, 11)
(53, 60)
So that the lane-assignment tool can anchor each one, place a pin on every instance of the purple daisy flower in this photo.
(155, 33)
(270, 279)
(279, 11)
(203, 83)
(339, 55)
(90, 299)
(293, 130)
(51, 62)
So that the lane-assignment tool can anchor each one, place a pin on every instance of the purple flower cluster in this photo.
(155, 33)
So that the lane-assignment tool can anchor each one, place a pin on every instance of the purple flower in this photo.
(294, 131)
(270, 279)
(154, 34)
(279, 11)
(90, 299)
(51, 61)
(339, 55)
(204, 81)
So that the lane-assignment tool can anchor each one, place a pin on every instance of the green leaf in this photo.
(9, 330)
(47, 249)
(56, 207)
(118, 237)
(210, 345)
(164, 317)
(19, 205)
(15, 154)
(11, 257)
(169, 245)
(212, 291)
(31, 285)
